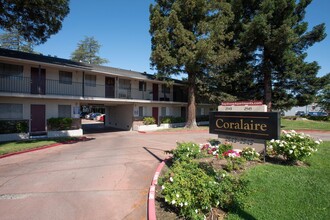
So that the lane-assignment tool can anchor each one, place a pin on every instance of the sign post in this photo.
(245, 128)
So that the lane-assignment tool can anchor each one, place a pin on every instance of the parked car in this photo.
(94, 115)
(300, 113)
(98, 118)
(101, 118)
(83, 114)
(88, 115)
(317, 114)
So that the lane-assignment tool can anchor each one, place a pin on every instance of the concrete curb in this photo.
(43, 147)
(152, 191)
(174, 132)
(30, 150)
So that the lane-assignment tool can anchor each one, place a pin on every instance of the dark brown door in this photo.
(155, 92)
(109, 87)
(38, 81)
(155, 114)
(38, 118)
(183, 112)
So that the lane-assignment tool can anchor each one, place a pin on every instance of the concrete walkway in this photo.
(104, 178)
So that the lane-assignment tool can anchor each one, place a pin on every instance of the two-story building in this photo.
(35, 88)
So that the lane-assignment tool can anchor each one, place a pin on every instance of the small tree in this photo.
(86, 52)
(14, 41)
(35, 21)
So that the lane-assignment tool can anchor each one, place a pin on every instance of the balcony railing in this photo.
(15, 84)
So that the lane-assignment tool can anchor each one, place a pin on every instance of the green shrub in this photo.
(234, 160)
(14, 126)
(249, 153)
(185, 151)
(235, 163)
(149, 120)
(166, 120)
(193, 190)
(58, 124)
(319, 118)
(223, 148)
(172, 120)
(293, 146)
(214, 142)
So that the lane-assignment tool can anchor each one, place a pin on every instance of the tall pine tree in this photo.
(273, 39)
(190, 37)
(34, 20)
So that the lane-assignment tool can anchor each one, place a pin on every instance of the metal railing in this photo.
(17, 84)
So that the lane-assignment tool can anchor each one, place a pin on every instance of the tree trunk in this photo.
(267, 81)
(191, 120)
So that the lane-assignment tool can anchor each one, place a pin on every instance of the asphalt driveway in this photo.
(106, 177)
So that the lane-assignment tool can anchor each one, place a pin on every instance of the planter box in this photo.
(66, 133)
(173, 125)
(160, 127)
(14, 137)
(148, 128)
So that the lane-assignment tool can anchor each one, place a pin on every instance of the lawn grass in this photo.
(16, 146)
(304, 125)
(289, 192)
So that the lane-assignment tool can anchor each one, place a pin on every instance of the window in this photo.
(10, 70)
(65, 77)
(200, 111)
(142, 86)
(64, 111)
(140, 111)
(163, 111)
(165, 89)
(124, 84)
(11, 111)
(90, 80)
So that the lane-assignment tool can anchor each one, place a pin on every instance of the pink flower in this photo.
(231, 153)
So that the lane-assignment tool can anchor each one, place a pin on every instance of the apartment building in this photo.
(35, 88)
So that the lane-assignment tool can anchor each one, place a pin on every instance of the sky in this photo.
(122, 30)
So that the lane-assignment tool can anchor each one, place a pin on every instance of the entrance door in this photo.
(38, 81)
(109, 87)
(183, 112)
(38, 118)
(155, 114)
(155, 92)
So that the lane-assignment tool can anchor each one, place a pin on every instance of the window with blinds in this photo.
(124, 84)
(10, 70)
(90, 80)
(11, 111)
(64, 111)
(65, 77)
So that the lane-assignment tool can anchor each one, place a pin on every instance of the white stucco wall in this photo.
(51, 105)
(121, 116)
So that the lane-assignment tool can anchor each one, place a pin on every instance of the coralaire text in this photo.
(241, 125)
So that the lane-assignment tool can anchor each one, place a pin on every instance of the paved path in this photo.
(104, 178)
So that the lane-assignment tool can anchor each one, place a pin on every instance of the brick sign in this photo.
(254, 125)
